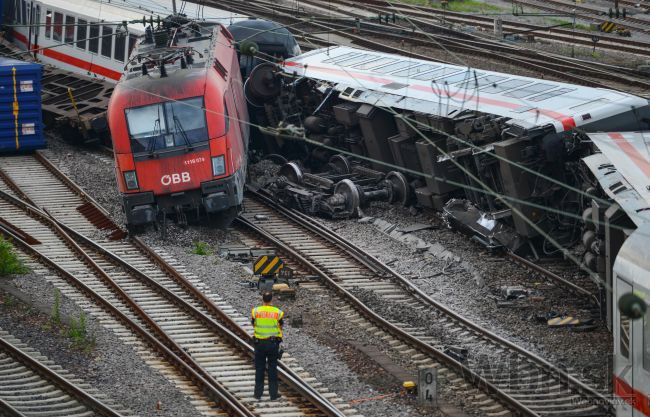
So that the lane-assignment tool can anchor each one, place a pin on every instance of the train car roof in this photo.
(135, 10)
(389, 80)
(628, 154)
(96, 11)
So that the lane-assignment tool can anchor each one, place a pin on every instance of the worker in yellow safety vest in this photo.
(267, 323)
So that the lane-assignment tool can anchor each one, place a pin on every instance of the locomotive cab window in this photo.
(165, 126)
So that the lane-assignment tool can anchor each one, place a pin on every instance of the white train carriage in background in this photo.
(631, 379)
(622, 169)
(73, 37)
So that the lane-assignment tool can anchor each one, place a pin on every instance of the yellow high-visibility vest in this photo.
(267, 321)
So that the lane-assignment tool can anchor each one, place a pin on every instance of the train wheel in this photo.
(352, 198)
(292, 172)
(341, 164)
(400, 190)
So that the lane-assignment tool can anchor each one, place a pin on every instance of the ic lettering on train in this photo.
(175, 178)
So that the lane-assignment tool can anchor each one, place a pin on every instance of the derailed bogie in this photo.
(484, 148)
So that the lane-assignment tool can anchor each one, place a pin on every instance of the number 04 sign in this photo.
(427, 387)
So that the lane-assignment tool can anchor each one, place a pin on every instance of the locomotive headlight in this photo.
(218, 165)
(131, 180)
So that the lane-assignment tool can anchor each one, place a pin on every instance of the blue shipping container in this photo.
(21, 120)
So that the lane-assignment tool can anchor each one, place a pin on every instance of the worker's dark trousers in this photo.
(266, 349)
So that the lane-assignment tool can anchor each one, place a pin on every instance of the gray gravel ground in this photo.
(348, 374)
(110, 366)
(342, 369)
(456, 287)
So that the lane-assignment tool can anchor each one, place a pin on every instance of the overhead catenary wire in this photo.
(485, 190)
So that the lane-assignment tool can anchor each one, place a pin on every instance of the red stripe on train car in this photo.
(568, 122)
(70, 60)
(636, 399)
(632, 152)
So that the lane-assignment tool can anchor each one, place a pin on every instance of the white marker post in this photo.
(428, 387)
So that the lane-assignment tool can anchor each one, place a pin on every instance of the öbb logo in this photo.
(175, 178)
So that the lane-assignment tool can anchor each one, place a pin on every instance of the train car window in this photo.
(375, 63)
(82, 33)
(93, 38)
(394, 67)
(529, 90)
(354, 60)
(590, 104)
(340, 57)
(438, 73)
(48, 23)
(24, 13)
(480, 81)
(107, 41)
(465, 76)
(162, 126)
(624, 331)
(550, 94)
(646, 341)
(58, 26)
(38, 19)
(120, 46)
(16, 12)
(410, 72)
(69, 29)
(132, 40)
(505, 86)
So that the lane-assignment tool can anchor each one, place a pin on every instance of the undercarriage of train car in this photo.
(489, 176)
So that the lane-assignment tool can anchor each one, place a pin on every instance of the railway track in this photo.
(344, 31)
(33, 385)
(561, 34)
(370, 290)
(56, 223)
(584, 11)
(587, 289)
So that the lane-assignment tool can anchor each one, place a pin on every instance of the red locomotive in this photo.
(179, 124)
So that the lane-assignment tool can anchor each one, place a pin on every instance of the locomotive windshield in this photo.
(165, 126)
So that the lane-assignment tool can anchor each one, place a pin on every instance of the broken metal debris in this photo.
(244, 254)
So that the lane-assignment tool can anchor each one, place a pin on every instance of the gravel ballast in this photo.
(109, 365)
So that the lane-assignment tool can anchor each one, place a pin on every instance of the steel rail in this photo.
(64, 384)
(232, 331)
(382, 323)
(286, 373)
(543, 271)
(8, 410)
(228, 327)
(168, 347)
(378, 267)
(588, 13)
(560, 70)
(558, 33)
(540, 61)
